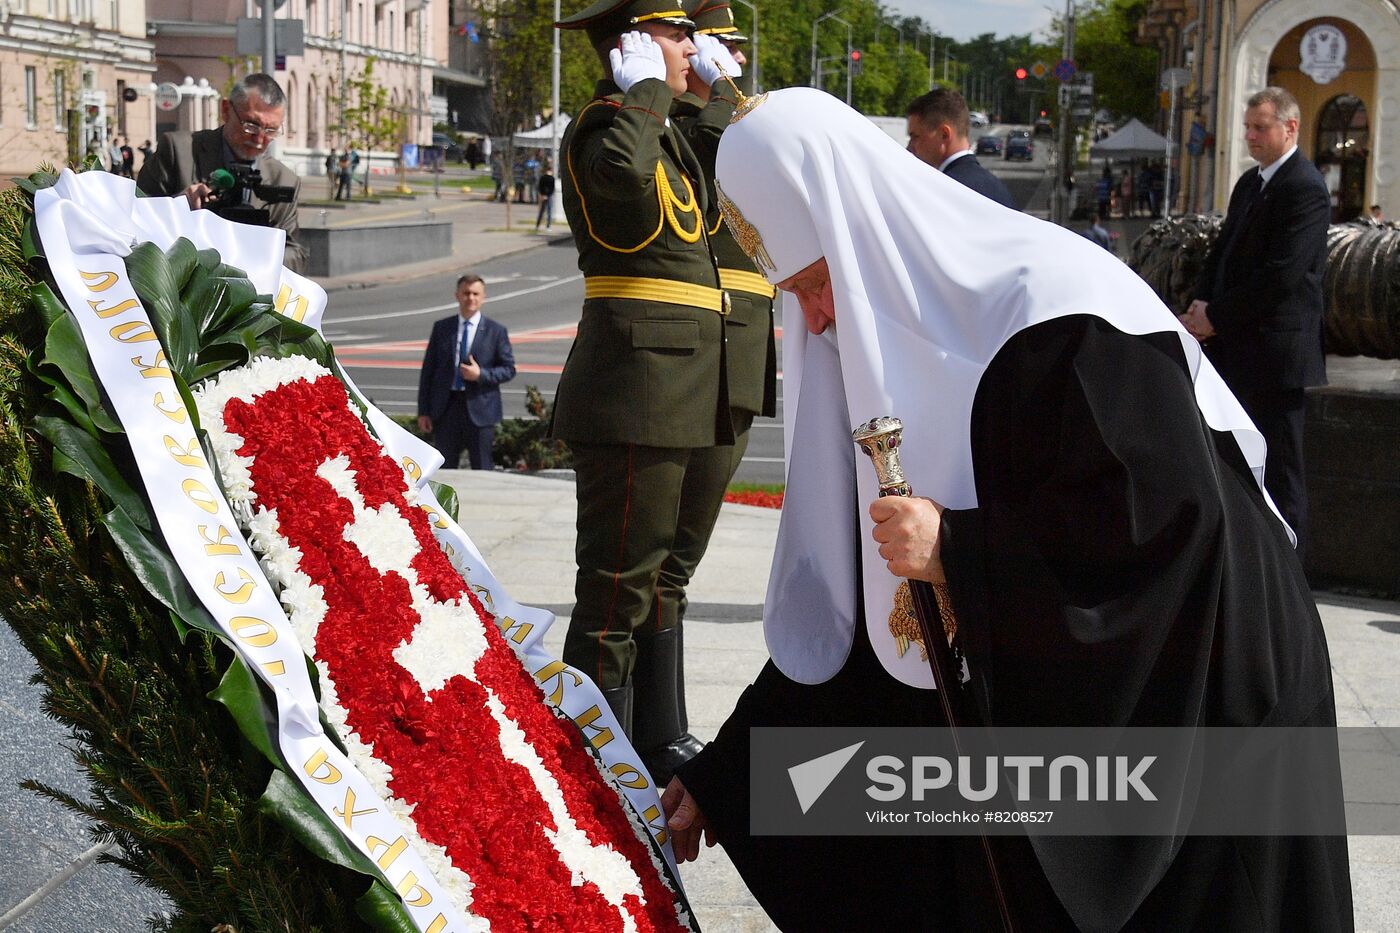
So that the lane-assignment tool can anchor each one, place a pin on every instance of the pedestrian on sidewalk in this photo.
(468, 358)
(1125, 193)
(332, 173)
(1103, 192)
(1098, 233)
(546, 191)
(344, 177)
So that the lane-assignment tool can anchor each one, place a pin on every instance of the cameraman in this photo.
(184, 161)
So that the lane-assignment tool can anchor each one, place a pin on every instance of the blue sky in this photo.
(964, 19)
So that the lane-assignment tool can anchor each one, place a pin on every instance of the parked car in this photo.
(977, 118)
(990, 144)
(1019, 146)
(452, 151)
(1043, 127)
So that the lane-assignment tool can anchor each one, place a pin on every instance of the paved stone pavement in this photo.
(524, 526)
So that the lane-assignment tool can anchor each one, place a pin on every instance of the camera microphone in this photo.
(221, 180)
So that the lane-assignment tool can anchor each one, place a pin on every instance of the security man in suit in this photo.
(1258, 304)
(939, 125)
(644, 397)
(468, 357)
(252, 116)
(702, 113)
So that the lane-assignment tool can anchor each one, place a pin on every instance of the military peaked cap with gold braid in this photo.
(608, 18)
(714, 18)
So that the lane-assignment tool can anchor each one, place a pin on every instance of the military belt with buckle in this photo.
(665, 291)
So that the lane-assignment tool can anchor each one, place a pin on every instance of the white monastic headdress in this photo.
(930, 279)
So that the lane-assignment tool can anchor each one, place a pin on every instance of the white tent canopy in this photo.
(1133, 140)
(541, 137)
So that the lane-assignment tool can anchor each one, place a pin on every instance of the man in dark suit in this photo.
(252, 117)
(1258, 304)
(939, 126)
(459, 390)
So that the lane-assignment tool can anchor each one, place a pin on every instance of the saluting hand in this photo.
(636, 58)
(710, 56)
(908, 529)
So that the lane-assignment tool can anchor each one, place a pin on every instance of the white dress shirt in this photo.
(943, 166)
(1267, 172)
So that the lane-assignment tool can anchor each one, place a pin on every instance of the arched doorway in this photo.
(1342, 152)
(1264, 52)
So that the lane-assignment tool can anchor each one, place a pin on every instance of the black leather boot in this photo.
(620, 701)
(659, 734)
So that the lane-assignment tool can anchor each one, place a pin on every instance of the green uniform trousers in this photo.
(645, 515)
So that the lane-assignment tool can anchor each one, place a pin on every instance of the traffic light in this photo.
(1020, 74)
(857, 64)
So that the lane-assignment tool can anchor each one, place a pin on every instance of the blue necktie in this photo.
(458, 383)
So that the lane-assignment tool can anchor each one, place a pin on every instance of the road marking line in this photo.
(438, 309)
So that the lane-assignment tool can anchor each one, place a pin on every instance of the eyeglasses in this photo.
(257, 129)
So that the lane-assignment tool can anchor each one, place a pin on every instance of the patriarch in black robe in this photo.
(1095, 509)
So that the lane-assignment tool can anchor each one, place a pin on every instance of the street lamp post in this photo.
(817, 22)
(556, 197)
(753, 47)
(932, 44)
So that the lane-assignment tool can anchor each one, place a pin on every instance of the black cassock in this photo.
(1121, 569)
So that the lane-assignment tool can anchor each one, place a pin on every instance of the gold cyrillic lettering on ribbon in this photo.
(391, 850)
(290, 305)
(629, 776)
(190, 454)
(157, 369)
(320, 770)
(253, 631)
(240, 595)
(602, 735)
(215, 546)
(556, 670)
(200, 495)
(348, 814)
(98, 281)
(113, 311)
(133, 332)
(177, 414)
(410, 884)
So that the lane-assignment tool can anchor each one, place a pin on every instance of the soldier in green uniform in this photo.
(643, 401)
(701, 114)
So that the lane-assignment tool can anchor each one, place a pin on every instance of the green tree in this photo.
(1125, 74)
(368, 119)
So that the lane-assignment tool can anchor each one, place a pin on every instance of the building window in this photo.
(1342, 152)
(31, 97)
(60, 98)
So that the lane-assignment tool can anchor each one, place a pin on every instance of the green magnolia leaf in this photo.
(65, 349)
(241, 694)
(154, 277)
(446, 497)
(288, 803)
(87, 459)
(151, 562)
(205, 296)
(382, 909)
(43, 299)
(77, 411)
(183, 259)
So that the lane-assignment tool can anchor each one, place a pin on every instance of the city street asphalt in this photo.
(525, 527)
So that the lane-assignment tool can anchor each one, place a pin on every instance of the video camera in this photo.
(229, 186)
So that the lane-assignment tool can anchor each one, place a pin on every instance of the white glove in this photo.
(711, 55)
(639, 58)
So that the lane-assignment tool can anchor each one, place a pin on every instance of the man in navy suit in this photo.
(1258, 303)
(939, 126)
(459, 395)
